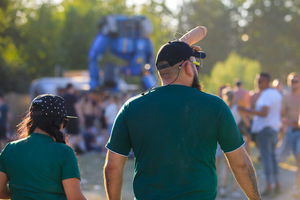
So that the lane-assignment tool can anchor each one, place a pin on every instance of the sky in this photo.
(172, 4)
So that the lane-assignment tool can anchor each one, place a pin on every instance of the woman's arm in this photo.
(72, 189)
(4, 192)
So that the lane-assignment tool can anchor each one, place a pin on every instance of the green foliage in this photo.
(273, 29)
(221, 31)
(161, 31)
(40, 42)
(36, 37)
(233, 68)
(80, 27)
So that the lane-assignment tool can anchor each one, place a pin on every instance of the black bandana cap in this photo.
(174, 52)
(49, 105)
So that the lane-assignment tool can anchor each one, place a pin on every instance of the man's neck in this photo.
(177, 82)
(263, 89)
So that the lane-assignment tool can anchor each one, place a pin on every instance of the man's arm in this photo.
(299, 120)
(244, 172)
(113, 175)
(263, 112)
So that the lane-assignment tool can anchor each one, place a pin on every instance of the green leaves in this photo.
(37, 37)
(234, 67)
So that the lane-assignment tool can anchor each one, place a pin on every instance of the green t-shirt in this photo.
(173, 131)
(36, 166)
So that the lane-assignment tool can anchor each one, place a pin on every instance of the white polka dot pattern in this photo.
(49, 104)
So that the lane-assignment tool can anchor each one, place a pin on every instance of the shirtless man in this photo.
(254, 95)
(242, 98)
(290, 113)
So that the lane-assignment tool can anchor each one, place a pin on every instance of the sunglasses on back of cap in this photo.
(194, 62)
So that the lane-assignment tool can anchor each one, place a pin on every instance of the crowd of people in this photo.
(178, 133)
(96, 112)
(269, 118)
(41, 162)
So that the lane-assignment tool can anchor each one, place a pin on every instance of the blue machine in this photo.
(127, 38)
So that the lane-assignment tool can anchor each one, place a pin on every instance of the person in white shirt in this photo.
(266, 123)
(111, 112)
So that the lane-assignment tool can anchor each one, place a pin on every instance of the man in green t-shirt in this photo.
(173, 131)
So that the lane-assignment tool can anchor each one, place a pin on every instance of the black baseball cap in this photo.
(49, 105)
(174, 52)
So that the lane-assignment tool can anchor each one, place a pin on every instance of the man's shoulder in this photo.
(290, 95)
(69, 97)
(271, 94)
(271, 91)
(164, 91)
(135, 100)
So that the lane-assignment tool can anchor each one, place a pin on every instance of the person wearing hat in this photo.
(41, 165)
(173, 131)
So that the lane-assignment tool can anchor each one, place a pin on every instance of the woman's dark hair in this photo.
(49, 124)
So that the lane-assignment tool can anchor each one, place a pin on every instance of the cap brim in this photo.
(200, 54)
(71, 117)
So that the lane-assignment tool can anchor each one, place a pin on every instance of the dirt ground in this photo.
(91, 165)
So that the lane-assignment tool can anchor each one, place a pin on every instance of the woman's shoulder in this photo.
(17, 141)
(63, 146)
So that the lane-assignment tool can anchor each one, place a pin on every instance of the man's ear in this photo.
(188, 69)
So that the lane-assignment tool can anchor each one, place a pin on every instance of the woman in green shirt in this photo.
(41, 165)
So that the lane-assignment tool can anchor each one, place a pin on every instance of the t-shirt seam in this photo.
(116, 152)
(235, 148)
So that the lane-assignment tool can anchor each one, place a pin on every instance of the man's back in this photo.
(36, 166)
(242, 97)
(173, 131)
(272, 99)
(291, 106)
(71, 100)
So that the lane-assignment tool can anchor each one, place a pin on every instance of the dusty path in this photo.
(92, 179)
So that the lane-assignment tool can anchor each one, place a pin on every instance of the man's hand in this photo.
(196, 47)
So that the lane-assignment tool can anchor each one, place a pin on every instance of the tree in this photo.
(40, 41)
(234, 67)
(216, 17)
(11, 62)
(157, 13)
(272, 30)
(80, 27)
